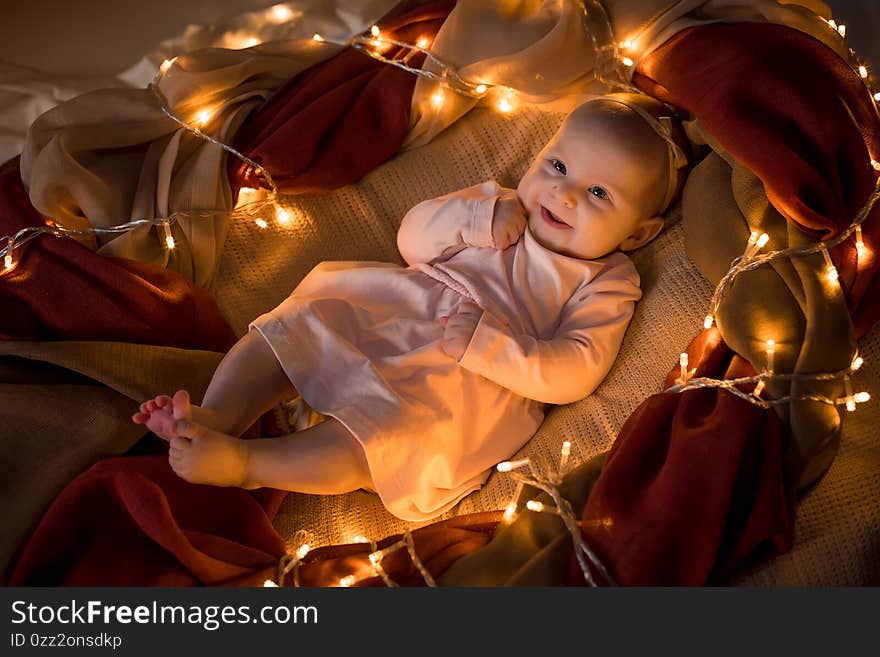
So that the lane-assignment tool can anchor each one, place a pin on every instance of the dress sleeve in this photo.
(437, 229)
(573, 363)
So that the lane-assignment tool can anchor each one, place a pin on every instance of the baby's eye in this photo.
(559, 166)
(598, 192)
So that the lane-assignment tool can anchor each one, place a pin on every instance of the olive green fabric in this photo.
(789, 301)
(536, 548)
(66, 405)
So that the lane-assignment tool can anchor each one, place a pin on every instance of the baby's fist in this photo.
(508, 221)
(459, 328)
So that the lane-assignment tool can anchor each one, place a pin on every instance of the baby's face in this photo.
(596, 186)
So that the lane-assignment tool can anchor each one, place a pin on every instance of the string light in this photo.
(317, 37)
(771, 352)
(281, 13)
(437, 99)
(564, 454)
(507, 466)
(547, 483)
(204, 117)
(875, 165)
(863, 71)
(163, 68)
(169, 238)
(282, 216)
(481, 89)
(858, 361)
(861, 249)
(830, 269)
(683, 364)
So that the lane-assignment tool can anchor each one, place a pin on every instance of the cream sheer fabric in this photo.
(110, 155)
(542, 48)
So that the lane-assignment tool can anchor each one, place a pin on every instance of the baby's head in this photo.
(606, 177)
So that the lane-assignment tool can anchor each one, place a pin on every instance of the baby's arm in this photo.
(439, 228)
(573, 363)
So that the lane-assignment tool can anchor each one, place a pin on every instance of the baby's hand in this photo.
(508, 221)
(459, 328)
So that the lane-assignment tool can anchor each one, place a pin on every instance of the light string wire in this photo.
(369, 45)
(548, 483)
(749, 262)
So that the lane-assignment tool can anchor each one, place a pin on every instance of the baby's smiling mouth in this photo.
(552, 219)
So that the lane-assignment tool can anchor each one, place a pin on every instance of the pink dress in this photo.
(361, 342)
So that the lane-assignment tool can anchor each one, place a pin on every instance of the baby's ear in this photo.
(647, 230)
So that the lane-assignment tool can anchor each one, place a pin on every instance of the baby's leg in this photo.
(248, 382)
(324, 459)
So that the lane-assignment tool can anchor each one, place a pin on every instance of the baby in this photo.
(430, 374)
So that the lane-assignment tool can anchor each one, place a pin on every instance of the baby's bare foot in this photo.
(203, 456)
(161, 414)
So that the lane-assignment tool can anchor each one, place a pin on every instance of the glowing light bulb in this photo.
(507, 466)
(249, 42)
(270, 584)
(374, 30)
(875, 164)
(628, 44)
(360, 539)
(758, 389)
(282, 215)
(877, 96)
(346, 581)
(166, 65)
(422, 42)
(862, 397)
(841, 29)
(707, 323)
(281, 13)
(261, 222)
(863, 71)
(481, 89)
(534, 505)
(771, 351)
(627, 61)
(204, 116)
(833, 24)
(762, 240)
(850, 404)
(858, 361)
(317, 37)
(7, 261)
(564, 454)
(683, 364)
(375, 557)
(303, 550)
(169, 238)
(830, 269)
(504, 104)
(438, 98)
(510, 513)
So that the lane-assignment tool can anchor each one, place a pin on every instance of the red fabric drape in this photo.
(693, 484)
(791, 110)
(340, 119)
(695, 481)
(132, 521)
(60, 290)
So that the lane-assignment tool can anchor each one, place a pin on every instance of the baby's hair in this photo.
(663, 120)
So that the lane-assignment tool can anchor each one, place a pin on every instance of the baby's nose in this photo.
(565, 195)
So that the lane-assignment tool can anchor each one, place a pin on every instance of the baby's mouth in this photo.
(552, 219)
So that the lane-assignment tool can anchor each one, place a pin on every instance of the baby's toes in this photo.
(162, 401)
